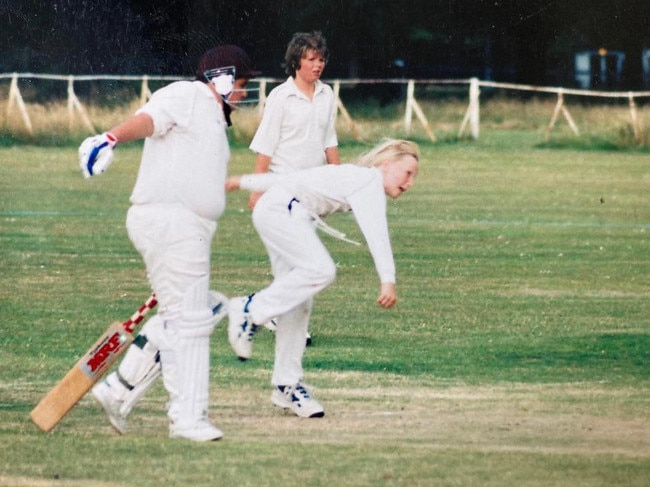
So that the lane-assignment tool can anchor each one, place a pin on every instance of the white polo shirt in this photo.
(186, 159)
(294, 130)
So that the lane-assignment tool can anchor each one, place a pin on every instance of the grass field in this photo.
(518, 355)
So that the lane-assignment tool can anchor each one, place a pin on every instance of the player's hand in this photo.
(232, 183)
(96, 154)
(252, 201)
(387, 297)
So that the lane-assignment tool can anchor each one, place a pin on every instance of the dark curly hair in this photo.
(300, 44)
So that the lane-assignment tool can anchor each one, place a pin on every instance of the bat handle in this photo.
(138, 316)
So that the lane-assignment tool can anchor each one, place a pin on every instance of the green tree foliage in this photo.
(510, 40)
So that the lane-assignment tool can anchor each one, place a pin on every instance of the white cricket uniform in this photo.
(295, 131)
(178, 197)
(285, 218)
(179, 193)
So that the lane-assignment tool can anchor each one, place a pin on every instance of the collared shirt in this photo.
(186, 159)
(294, 130)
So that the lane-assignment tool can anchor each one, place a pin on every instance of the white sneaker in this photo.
(102, 392)
(202, 431)
(298, 400)
(241, 329)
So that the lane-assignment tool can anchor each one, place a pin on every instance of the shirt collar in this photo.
(295, 91)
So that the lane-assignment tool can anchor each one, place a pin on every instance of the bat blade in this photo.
(61, 399)
(78, 381)
(87, 371)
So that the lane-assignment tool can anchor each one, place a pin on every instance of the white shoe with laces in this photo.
(202, 431)
(297, 399)
(103, 394)
(241, 329)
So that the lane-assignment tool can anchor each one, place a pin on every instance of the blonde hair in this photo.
(390, 149)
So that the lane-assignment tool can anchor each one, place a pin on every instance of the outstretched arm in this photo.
(262, 163)
(369, 207)
(252, 182)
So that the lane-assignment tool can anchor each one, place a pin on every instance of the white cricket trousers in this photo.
(301, 266)
(175, 246)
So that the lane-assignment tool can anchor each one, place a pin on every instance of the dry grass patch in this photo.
(569, 419)
(9, 481)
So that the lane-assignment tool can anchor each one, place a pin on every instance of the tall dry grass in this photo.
(601, 124)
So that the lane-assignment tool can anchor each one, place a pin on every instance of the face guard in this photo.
(223, 79)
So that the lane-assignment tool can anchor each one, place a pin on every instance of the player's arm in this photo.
(252, 182)
(137, 127)
(368, 205)
(332, 155)
(262, 163)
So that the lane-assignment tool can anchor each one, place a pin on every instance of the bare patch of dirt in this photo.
(541, 418)
(8, 481)
(583, 419)
(553, 293)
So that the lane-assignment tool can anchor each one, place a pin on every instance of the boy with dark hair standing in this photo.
(297, 130)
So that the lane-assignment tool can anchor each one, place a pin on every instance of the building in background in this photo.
(599, 69)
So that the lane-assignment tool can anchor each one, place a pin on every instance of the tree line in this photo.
(531, 41)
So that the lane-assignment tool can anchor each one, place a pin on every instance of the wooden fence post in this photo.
(15, 97)
(344, 111)
(145, 92)
(413, 106)
(559, 107)
(408, 115)
(635, 120)
(262, 97)
(472, 115)
(74, 103)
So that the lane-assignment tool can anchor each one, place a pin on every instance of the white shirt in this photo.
(294, 130)
(186, 159)
(334, 188)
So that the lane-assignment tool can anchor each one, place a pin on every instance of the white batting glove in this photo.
(96, 154)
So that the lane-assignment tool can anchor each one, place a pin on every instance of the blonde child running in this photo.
(286, 217)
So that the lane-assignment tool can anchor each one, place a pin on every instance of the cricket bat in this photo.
(88, 370)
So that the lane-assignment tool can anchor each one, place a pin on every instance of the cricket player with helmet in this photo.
(177, 199)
